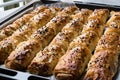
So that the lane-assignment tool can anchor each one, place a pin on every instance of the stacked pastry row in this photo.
(103, 64)
(8, 44)
(21, 56)
(9, 30)
(113, 23)
(46, 59)
(73, 63)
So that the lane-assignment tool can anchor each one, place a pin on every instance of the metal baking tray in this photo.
(9, 74)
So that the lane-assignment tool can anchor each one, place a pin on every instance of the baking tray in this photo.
(9, 74)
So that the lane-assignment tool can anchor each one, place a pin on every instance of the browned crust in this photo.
(10, 29)
(72, 63)
(103, 65)
(25, 32)
(24, 53)
(46, 60)
(98, 13)
(108, 41)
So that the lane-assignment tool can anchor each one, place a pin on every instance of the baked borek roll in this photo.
(9, 30)
(114, 16)
(48, 58)
(70, 9)
(107, 41)
(25, 51)
(100, 14)
(96, 21)
(40, 38)
(93, 25)
(87, 39)
(25, 32)
(103, 65)
(83, 15)
(113, 27)
(72, 64)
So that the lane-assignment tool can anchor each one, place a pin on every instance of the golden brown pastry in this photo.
(25, 51)
(113, 17)
(46, 60)
(28, 49)
(83, 15)
(113, 25)
(23, 33)
(96, 21)
(108, 41)
(9, 30)
(93, 25)
(100, 14)
(6, 46)
(88, 39)
(70, 9)
(36, 22)
(38, 9)
(72, 70)
(103, 65)
(72, 64)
